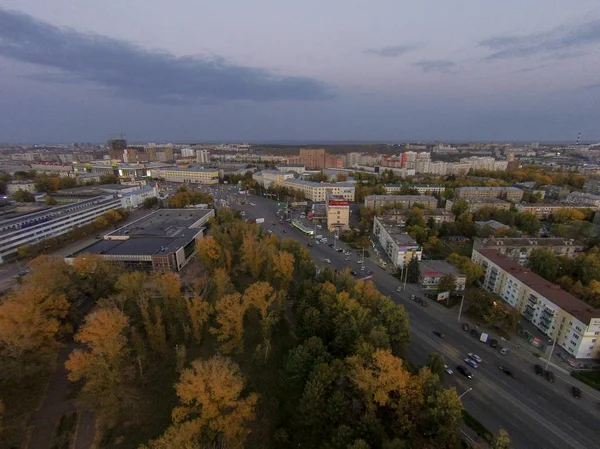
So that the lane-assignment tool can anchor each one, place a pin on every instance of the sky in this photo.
(305, 72)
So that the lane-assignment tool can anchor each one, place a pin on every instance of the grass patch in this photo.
(65, 432)
(479, 428)
(591, 378)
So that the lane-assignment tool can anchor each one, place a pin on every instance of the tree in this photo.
(414, 274)
(210, 253)
(543, 262)
(23, 196)
(436, 364)
(150, 203)
(210, 393)
(528, 223)
(253, 258)
(502, 440)
(261, 296)
(104, 365)
(50, 201)
(131, 284)
(199, 313)
(230, 310)
(459, 207)
(283, 267)
(447, 284)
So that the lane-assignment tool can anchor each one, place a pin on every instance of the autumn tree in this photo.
(447, 283)
(502, 440)
(199, 312)
(230, 310)
(154, 325)
(210, 253)
(283, 267)
(220, 284)
(131, 284)
(253, 258)
(95, 276)
(104, 365)
(212, 408)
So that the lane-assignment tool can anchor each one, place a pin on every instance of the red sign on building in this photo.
(339, 203)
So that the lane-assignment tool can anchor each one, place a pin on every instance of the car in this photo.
(362, 268)
(347, 253)
(346, 259)
(475, 357)
(412, 297)
(576, 392)
(309, 244)
(474, 333)
(398, 289)
(507, 371)
(331, 245)
(327, 261)
(464, 371)
(281, 222)
(471, 362)
(369, 273)
(324, 239)
(284, 231)
(550, 376)
(360, 261)
(339, 250)
(539, 370)
(466, 327)
(424, 303)
(319, 237)
(319, 227)
(448, 369)
(504, 351)
(317, 242)
(494, 343)
(354, 273)
(439, 334)
(273, 223)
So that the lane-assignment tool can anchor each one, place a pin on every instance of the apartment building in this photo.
(52, 222)
(338, 212)
(485, 193)
(13, 187)
(573, 324)
(400, 216)
(400, 247)
(400, 201)
(202, 156)
(519, 249)
(475, 205)
(192, 175)
(592, 185)
(584, 199)
(546, 210)
(423, 189)
(484, 163)
(296, 168)
(52, 168)
(267, 177)
(316, 191)
(313, 157)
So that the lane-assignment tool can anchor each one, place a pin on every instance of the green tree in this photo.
(502, 440)
(447, 284)
(459, 207)
(414, 274)
(436, 364)
(23, 196)
(544, 262)
(529, 223)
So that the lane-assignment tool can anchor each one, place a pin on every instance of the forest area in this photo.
(259, 351)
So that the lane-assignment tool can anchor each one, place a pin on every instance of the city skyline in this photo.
(268, 72)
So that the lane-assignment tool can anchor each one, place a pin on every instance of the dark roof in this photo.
(553, 292)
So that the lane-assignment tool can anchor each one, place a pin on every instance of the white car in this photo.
(319, 237)
(324, 239)
(448, 369)
(319, 227)
(504, 351)
(475, 357)
(399, 289)
(327, 261)
(362, 268)
(317, 242)
(346, 259)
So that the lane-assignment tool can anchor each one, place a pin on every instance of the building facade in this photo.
(547, 210)
(296, 168)
(519, 249)
(475, 205)
(203, 156)
(423, 189)
(338, 212)
(400, 247)
(191, 175)
(13, 187)
(400, 201)
(268, 177)
(485, 193)
(573, 324)
(316, 191)
(400, 216)
(432, 272)
(584, 199)
(313, 157)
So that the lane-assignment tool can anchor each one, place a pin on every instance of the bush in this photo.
(591, 378)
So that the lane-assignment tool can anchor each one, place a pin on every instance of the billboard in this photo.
(260, 220)
(339, 203)
(443, 295)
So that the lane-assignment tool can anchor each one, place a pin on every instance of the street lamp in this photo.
(470, 389)
(550, 356)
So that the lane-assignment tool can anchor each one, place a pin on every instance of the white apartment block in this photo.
(573, 324)
(203, 156)
(317, 191)
(52, 168)
(484, 163)
(14, 186)
(188, 152)
(397, 244)
(484, 193)
(191, 175)
(267, 177)
(400, 201)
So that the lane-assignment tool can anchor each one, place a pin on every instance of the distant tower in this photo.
(578, 137)
(116, 147)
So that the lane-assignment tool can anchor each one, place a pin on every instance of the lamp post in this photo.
(462, 299)
(470, 389)
(551, 351)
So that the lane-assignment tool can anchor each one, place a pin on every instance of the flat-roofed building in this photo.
(191, 175)
(13, 187)
(475, 205)
(164, 240)
(267, 177)
(316, 191)
(432, 272)
(573, 324)
(296, 168)
(400, 201)
(423, 189)
(401, 215)
(519, 249)
(584, 199)
(547, 210)
(338, 212)
(485, 193)
(400, 247)
(52, 168)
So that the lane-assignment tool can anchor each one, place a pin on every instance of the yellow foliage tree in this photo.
(253, 258)
(230, 310)
(283, 266)
(131, 285)
(199, 313)
(259, 295)
(210, 253)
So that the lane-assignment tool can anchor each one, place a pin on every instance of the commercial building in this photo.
(164, 240)
(30, 228)
(400, 216)
(400, 247)
(432, 272)
(338, 212)
(316, 191)
(573, 324)
(485, 193)
(313, 157)
(475, 205)
(423, 189)
(519, 249)
(192, 175)
(267, 177)
(296, 168)
(400, 201)
(13, 187)
(546, 210)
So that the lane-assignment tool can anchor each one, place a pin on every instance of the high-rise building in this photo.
(313, 157)
(116, 147)
(203, 156)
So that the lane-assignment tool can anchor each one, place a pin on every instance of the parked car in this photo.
(327, 261)
(412, 297)
(466, 327)
(474, 333)
(346, 259)
(539, 370)
(448, 370)
(369, 273)
(507, 371)
(424, 303)
(494, 343)
(309, 244)
(471, 362)
(354, 273)
(398, 289)
(464, 371)
(576, 392)
(475, 357)
(439, 334)
(550, 376)
(504, 351)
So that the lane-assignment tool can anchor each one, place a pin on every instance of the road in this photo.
(535, 413)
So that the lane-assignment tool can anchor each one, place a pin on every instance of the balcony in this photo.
(528, 314)
(532, 299)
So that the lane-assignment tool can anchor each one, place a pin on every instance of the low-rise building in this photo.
(191, 175)
(496, 226)
(573, 324)
(13, 187)
(85, 178)
(475, 205)
(556, 192)
(338, 212)
(432, 272)
(296, 168)
(519, 249)
(400, 247)
(52, 168)
(423, 189)
(485, 193)
(400, 216)
(267, 177)
(584, 199)
(547, 210)
(400, 201)
(316, 191)
(164, 240)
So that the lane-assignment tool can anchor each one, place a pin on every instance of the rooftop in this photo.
(400, 198)
(191, 169)
(426, 212)
(522, 242)
(495, 225)
(436, 267)
(566, 301)
(490, 188)
(320, 184)
(436, 186)
(161, 232)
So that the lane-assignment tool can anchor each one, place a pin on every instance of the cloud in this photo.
(393, 51)
(559, 43)
(531, 69)
(436, 65)
(146, 75)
